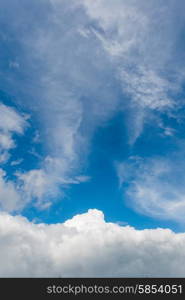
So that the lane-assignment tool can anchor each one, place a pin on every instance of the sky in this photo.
(92, 141)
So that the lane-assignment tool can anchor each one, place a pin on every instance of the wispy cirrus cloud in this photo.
(10, 198)
(155, 185)
(11, 123)
(66, 73)
(79, 65)
(140, 38)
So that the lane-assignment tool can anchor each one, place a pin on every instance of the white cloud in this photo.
(10, 199)
(11, 123)
(35, 183)
(4, 157)
(87, 246)
(14, 65)
(41, 184)
(147, 88)
(155, 186)
(6, 142)
(10, 120)
(140, 38)
(16, 162)
(37, 186)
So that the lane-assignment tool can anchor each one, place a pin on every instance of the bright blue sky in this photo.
(102, 191)
(94, 105)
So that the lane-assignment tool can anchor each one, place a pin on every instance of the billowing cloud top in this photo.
(87, 246)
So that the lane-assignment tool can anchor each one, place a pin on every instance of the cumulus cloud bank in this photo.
(87, 245)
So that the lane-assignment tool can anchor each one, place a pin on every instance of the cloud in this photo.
(140, 38)
(38, 187)
(87, 246)
(34, 183)
(16, 162)
(11, 123)
(155, 186)
(10, 198)
(6, 142)
(42, 185)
